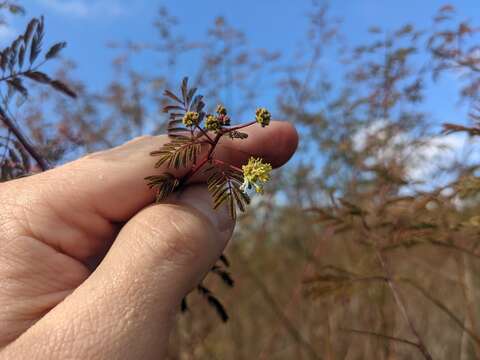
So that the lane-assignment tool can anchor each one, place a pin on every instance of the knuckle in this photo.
(176, 233)
(129, 148)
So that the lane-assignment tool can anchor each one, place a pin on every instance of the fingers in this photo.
(81, 200)
(124, 309)
(112, 182)
(158, 256)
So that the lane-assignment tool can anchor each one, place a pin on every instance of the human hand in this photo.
(91, 269)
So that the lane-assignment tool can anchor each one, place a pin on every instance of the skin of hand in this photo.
(91, 268)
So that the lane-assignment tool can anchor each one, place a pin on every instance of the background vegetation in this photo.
(366, 246)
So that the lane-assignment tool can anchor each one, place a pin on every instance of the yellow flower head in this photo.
(213, 123)
(221, 110)
(263, 117)
(256, 173)
(191, 118)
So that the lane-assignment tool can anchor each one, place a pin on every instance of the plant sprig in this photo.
(20, 63)
(21, 60)
(195, 135)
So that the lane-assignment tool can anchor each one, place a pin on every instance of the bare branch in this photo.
(10, 125)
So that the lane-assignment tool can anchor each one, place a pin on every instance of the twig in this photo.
(22, 73)
(42, 163)
(445, 309)
(238, 127)
(7, 139)
(465, 273)
(200, 165)
(295, 295)
(435, 243)
(279, 312)
(396, 294)
(401, 305)
(383, 336)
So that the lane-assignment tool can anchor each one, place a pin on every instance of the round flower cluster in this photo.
(216, 122)
(212, 123)
(191, 118)
(255, 174)
(263, 117)
(221, 110)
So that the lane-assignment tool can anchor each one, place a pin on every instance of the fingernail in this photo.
(198, 197)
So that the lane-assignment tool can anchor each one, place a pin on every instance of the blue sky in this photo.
(88, 25)
(276, 25)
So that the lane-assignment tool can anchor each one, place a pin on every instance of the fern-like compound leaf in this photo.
(163, 184)
(180, 152)
(224, 187)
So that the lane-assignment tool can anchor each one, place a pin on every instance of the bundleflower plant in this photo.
(255, 174)
(194, 136)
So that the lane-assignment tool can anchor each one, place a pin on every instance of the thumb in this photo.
(125, 308)
(176, 242)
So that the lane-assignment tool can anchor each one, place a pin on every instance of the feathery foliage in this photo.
(194, 136)
(21, 62)
(192, 145)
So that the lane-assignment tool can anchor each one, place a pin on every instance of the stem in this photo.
(279, 313)
(196, 168)
(234, 128)
(204, 133)
(401, 305)
(42, 163)
(396, 295)
(22, 73)
(387, 337)
(226, 164)
(7, 139)
(213, 144)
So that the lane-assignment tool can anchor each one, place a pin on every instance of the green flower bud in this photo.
(263, 117)
(224, 119)
(213, 123)
(191, 118)
(221, 110)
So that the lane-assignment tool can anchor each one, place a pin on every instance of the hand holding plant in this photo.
(195, 136)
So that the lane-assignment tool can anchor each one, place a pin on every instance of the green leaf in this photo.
(224, 187)
(4, 58)
(38, 77)
(164, 185)
(237, 135)
(55, 50)
(190, 95)
(197, 104)
(36, 44)
(172, 96)
(184, 89)
(60, 86)
(21, 56)
(223, 275)
(16, 84)
(180, 152)
(29, 31)
(169, 108)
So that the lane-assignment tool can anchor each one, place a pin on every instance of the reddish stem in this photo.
(226, 164)
(42, 163)
(213, 144)
(234, 128)
(204, 133)
(197, 167)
